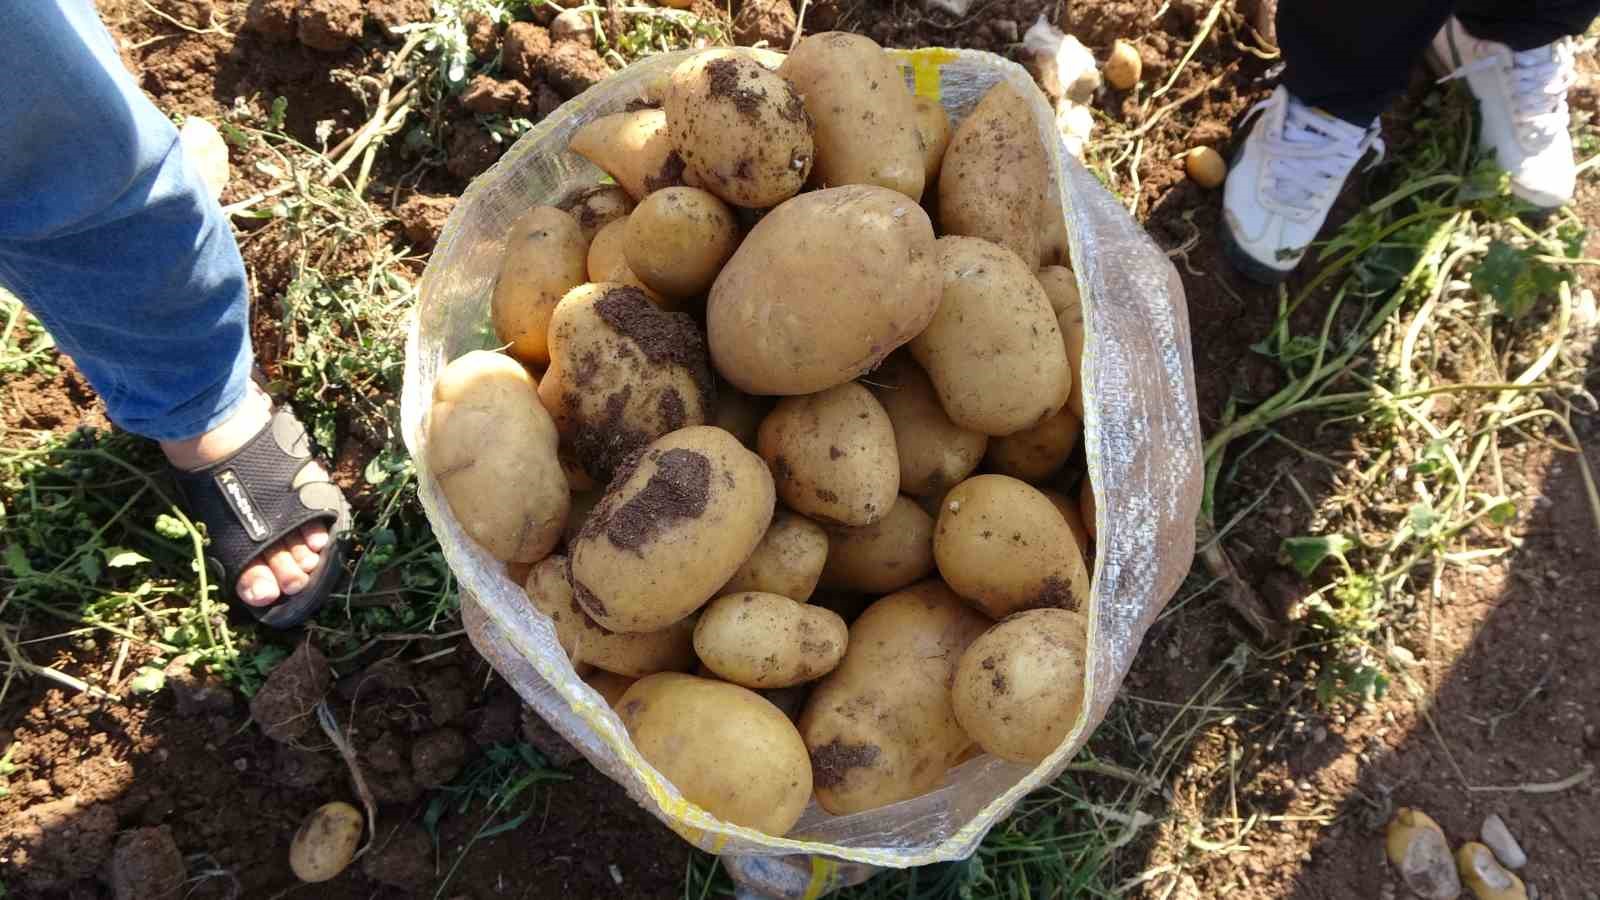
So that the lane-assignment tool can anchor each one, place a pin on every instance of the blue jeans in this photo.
(108, 235)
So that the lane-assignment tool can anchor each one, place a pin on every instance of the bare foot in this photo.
(286, 566)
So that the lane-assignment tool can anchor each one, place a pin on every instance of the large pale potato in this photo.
(675, 524)
(1036, 453)
(935, 453)
(726, 749)
(634, 148)
(492, 448)
(994, 182)
(741, 130)
(866, 121)
(933, 136)
(545, 257)
(1019, 687)
(832, 455)
(597, 207)
(881, 727)
(891, 553)
(766, 641)
(823, 288)
(678, 238)
(788, 561)
(549, 587)
(993, 351)
(622, 373)
(608, 261)
(1001, 544)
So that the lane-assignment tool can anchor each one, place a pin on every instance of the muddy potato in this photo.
(993, 351)
(823, 288)
(738, 413)
(788, 561)
(880, 727)
(866, 122)
(609, 685)
(1074, 518)
(326, 842)
(933, 136)
(934, 453)
(598, 207)
(727, 749)
(634, 148)
(741, 130)
(675, 524)
(492, 447)
(889, 554)
(1000, 543)
(608, 261)
(622, 373)
(995, 177)
(670, 649)
(767, 641)
(677, 240)
(1086, 510)
(1019, 686)
(546, 256)
(832, 455)
(1034, 454)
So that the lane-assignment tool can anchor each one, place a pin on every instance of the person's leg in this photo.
(1353, 58)
(113, 243)
(1526, 24)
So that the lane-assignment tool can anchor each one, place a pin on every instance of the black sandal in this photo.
(250, 500)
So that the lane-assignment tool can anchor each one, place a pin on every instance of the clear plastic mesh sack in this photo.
(1141, 436)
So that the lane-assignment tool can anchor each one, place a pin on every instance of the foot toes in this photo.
(316, 535)
(306, 558)
(291, 578)
(257, 586)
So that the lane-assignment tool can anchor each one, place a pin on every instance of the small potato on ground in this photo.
(1019, 687)
(326, 842)
(766, 641)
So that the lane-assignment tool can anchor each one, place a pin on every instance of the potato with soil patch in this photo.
(891, 553)
(935, 453)
(1019, 687)
(741, 130)
(596, 208)
(326, 842)
(787, 562)
(880, 727)
(671, 649)
(492, 447)
(546, 256)
(622, 373)
(865, 120)
(728, 750)
(823, 288)
(994, 350)
(832, 455)
(632, 147)
(995, 176)
(1034, 454)
(676, 522)
(933, 136)
(762, 640)
(1000, 543)
(678, 239)
(608, 261)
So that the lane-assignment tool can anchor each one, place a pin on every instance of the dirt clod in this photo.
(491, 96)
(146, 865)
(284, 707)
(483, 36)
(437, 757)
(573, 67)
(772, 21)
(300, 768)
(198, 693)
(273, 19)
(330, 25)
(472, 152)
(446, 694)
(53, 844)
(526, 50)
(391, 14)
(401, 859)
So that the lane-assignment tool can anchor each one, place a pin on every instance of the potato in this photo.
(866, 122)
(1019, 687)
(1034, 454)
(880, 727)
(766, 641)
(622, 373)
(1485, 877)
(1205, 167)
(671, 649)
(892, 553)
(1086, 510)
(608, 261)
(678, 239)
(1418, 849)
(492, 448)
(823, 288)
(933, 136)
(546, 255)
(1069, 511)
(741, 130)
(934, 453)
(738, 413)
(1061, 287)
(724, 747)
(598, 207)
(1000, 543)
(675, 524)
(609, 685)
(787, 562)
(994, 351)
(633, 148)
(832, 455)
(326, 842)
(995, 179)
(1123, 67)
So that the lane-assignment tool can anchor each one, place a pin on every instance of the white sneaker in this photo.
(1284, 180)
(1522, 99)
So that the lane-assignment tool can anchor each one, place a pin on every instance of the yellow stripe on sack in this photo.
(823, 871)
(925, 64)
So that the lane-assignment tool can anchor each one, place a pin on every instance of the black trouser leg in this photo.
(1526, 24)
(1352, 58)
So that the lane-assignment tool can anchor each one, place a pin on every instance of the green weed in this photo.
(24, 344)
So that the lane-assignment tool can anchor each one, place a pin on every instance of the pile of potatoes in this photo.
(780, 462)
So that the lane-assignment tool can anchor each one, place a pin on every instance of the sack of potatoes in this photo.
(813, 443)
